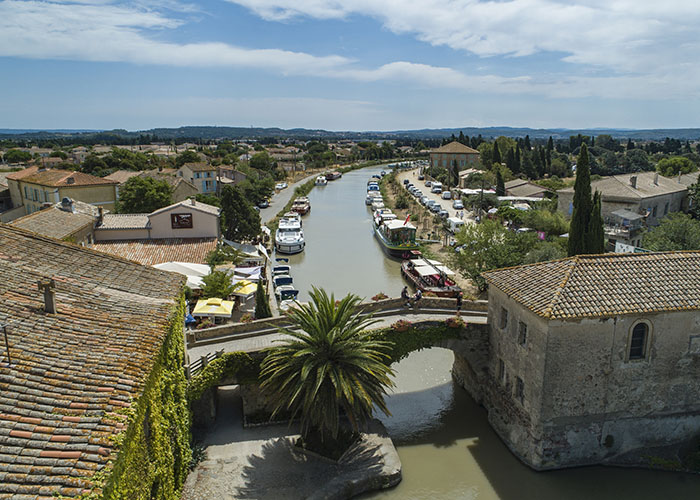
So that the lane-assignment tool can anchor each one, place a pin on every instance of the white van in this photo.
(436, 187)
(446, 195)
(454, 224)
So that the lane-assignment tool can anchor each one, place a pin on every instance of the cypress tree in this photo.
(595, 238)
(496, 153)
(262, 304)
(500, 185)
(527, 144)
(516, 164)
(583, 205)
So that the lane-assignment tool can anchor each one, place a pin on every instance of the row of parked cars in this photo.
(433, 205)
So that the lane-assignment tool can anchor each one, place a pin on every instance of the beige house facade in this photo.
(188, 219)
(594, 359)
(35, 188)
(454, 152)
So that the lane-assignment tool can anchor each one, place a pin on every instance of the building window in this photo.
(522, 333)
(639, 341)
(501, 372)
(653, 212)
(666, 208)
(181, 221)
(519, 389)
(504, 318)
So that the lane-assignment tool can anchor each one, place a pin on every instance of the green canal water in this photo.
(447, 448)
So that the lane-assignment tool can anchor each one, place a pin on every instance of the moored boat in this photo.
(372, 196)
(398, 238)
(301, 205)
(430, 276)
(321, 180)
(289, 237)
(331, 176)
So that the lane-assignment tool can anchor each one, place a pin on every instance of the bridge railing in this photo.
(426, 305)
(199, 364)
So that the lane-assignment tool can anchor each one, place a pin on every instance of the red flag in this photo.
(406, 221)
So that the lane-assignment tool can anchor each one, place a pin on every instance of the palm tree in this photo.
(333, 364)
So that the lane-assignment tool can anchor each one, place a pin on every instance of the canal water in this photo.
(447, 448)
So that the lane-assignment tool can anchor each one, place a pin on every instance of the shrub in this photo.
(401, 325)
(246, 318)
(380, 296)
(455, 322)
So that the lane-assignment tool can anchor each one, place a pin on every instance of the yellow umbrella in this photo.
(245, 288)
(213, 307)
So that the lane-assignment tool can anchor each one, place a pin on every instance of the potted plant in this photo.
(401, 325)
(455, 322)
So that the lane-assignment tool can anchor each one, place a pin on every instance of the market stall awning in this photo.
(213, 307)
(246, 289)
(194, 272)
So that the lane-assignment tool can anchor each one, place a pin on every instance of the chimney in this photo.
(100, 215)
(679, 177)
(70, 180)
(67, 204)
(48, 287)
(656, 179)
(633, 181)
(192, 200)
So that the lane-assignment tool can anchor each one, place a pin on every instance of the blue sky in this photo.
(350, 64)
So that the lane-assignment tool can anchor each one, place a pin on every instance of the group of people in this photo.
(410, 301)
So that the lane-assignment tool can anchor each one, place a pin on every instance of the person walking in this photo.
(459, 303)
(405, 297)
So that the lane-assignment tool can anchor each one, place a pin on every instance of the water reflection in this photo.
(449, 451)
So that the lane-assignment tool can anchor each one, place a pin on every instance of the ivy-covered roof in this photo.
(612, 284)
(72, 374)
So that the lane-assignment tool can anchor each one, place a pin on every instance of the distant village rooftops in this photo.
(604, 285)
(72, 371)
(58, 178)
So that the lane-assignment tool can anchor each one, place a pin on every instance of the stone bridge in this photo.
(206, 344)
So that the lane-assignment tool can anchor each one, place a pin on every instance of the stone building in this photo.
(446, 155)
(594, 359)
(645, 193)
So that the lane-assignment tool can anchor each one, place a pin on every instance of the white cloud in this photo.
(625, 35)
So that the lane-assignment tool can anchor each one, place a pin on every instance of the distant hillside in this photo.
(239, 133)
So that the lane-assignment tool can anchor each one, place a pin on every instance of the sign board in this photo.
(623, 248)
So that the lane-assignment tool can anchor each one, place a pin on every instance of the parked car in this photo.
(281, 185)
(263, 204)
(435, 208)
(421, 177)
(458, 205)
(443, 213)
(406, 182)
(428, 183)
(446, 195)
(424, 200)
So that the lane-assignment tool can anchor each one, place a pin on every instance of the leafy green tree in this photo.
(59, 154)
(694, 199)
(143, 195)
(545, 251)
(496, 153)
(595, 236)
(17, 156)
(188, 156)
(332, 366)
(583, 204)
(242, 222)
(224, 254)
(500, 185)
(675, 165)
(209, 199)
(218, 284)
(489, 246)
(94, 165)
(261, 161)
(262, 303)
(677, 231)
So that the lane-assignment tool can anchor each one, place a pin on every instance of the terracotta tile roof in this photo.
(604, 285)
(121, 176)
(619, 187)
(71, 371)
(187, 204)
(151, 252)
(54, 222)
(58, 178)
(199, 167)
(454, 147)
(124, 221)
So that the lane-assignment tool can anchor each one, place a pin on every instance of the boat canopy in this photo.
(398, 224)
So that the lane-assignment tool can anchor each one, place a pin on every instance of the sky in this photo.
(350, 64)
